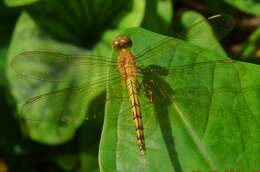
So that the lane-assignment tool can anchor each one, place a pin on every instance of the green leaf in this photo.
(66, 161)
(16, 3)
(251, 46)
(207, 119)
(7, 21)
(205, 32)
(158, 16)
(83, 22)
(27, 36)
(131, 19)
(249, 6)
(165, 10)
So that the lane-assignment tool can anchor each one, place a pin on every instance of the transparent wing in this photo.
(73, 81)
(178, 56)
(195, 67)
(65, 106)
(189, 81)
(57, 67)
(221, 25)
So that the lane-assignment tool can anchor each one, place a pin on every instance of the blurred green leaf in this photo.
(165, 10)
(83, 22)
(16, 3)
(158, 16)
(7, 20)
(248, 6)
(205, 32)
(132, 19)
(251, 46)
(209, 120)
(66, 161)
(89, 158)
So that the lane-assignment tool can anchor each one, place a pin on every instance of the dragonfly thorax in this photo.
(121, 42)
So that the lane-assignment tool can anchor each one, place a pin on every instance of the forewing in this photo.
(57, 67)
(52, 107)
(220, 24)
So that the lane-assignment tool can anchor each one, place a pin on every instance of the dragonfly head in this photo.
(121, 42)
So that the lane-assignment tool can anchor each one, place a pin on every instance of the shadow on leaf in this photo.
(160, 93)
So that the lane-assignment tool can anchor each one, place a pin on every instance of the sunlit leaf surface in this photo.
(209, 121)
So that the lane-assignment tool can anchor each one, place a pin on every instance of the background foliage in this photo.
(81, 26)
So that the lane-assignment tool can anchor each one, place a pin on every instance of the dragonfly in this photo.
(130, 68)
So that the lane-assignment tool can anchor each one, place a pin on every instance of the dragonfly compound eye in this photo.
(122, 42)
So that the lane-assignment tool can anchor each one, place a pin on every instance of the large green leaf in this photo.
(209, 119)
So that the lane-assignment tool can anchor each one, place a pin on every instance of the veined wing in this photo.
(200, 33)
(57, 67)
(220, 24)
(179, 56)
(188, 82)
(71, 110)
(71, 81)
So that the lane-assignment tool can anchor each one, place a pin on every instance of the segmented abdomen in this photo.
(128, 71)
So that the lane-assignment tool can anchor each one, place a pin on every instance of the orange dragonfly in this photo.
(85, 74)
